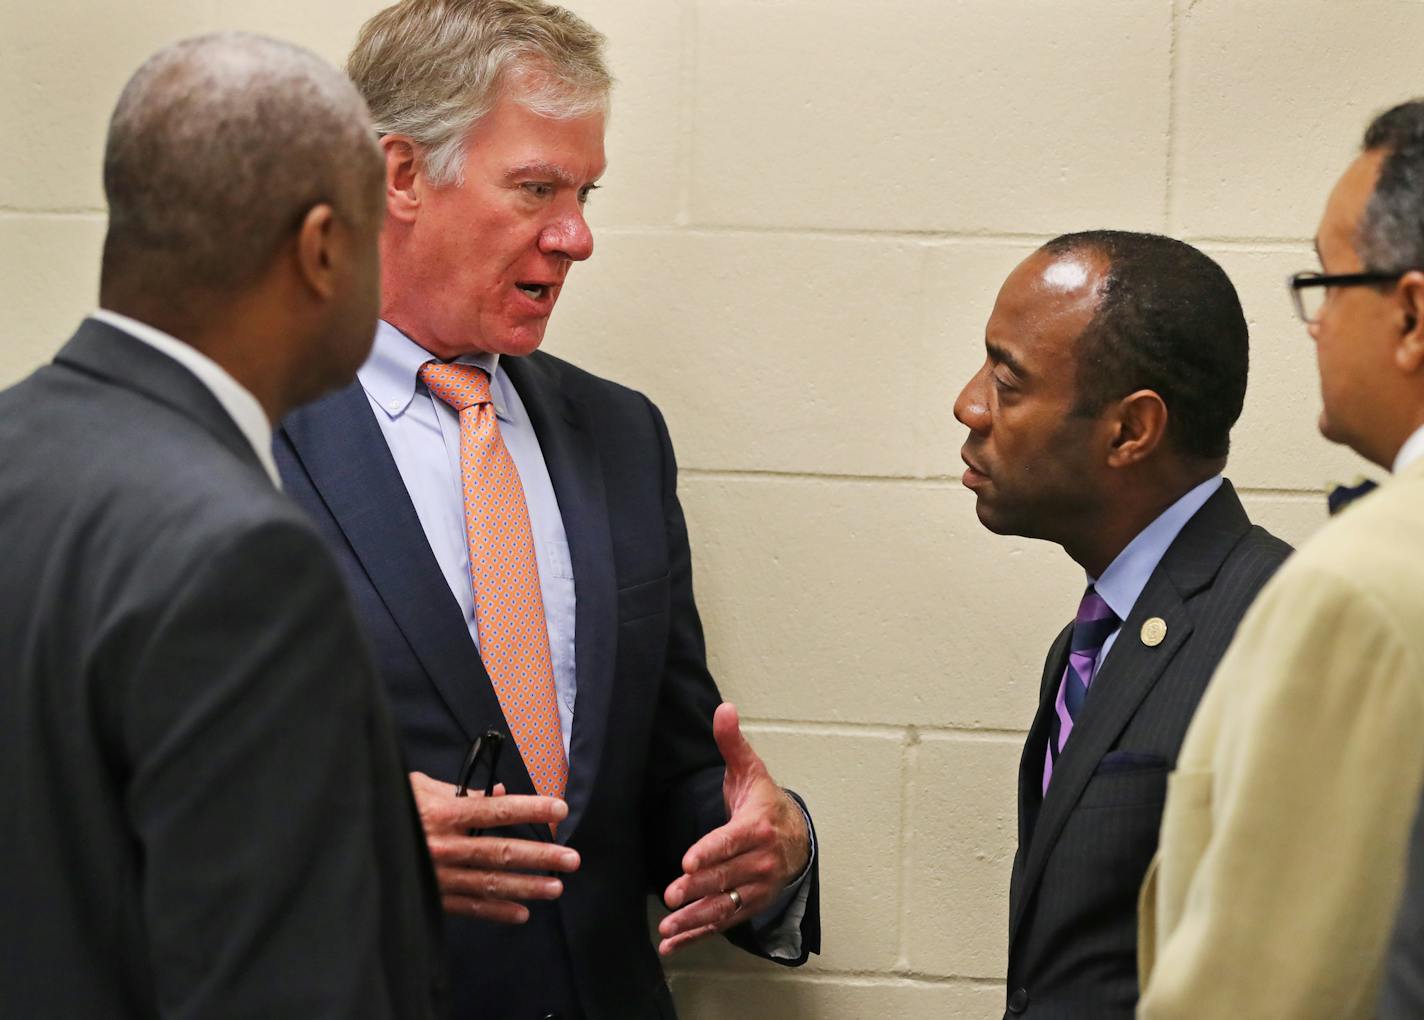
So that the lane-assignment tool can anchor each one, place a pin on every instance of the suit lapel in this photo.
(1036, 746)
(576, 474)
(345, 454)
(1031, 766)
(100, 350)
(1130, 671)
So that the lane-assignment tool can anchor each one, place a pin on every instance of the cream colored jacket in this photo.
(1283, 841)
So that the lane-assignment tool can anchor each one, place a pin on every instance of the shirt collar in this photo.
(1122, 582)
(391, 374)
(241, 406)
(1412, 450)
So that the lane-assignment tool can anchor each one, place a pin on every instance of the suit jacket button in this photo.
(1018, 1002)
(551, 1016)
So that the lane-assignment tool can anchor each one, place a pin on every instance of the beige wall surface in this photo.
(809, 207)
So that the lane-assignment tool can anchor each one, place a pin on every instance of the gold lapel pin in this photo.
(1153, 631)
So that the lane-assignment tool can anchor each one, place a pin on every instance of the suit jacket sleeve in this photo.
(1284, 830)
(684, 788)
(246, 726)
(1403, 996)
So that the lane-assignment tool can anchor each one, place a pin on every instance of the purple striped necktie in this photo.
(1092, 627)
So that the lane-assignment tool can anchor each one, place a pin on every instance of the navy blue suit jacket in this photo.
(644, 773)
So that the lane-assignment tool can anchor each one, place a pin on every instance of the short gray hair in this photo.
(218, 147)
(430, 69)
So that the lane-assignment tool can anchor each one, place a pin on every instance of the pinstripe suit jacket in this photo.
(1085, 846)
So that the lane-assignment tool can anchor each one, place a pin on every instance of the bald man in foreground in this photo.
(203, 811)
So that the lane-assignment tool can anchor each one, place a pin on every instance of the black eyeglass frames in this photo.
(1309, 289)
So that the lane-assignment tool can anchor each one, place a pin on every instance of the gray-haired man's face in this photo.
(488, 258)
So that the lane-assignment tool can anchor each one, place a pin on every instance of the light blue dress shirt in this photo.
(423, 433)
(1122, 582)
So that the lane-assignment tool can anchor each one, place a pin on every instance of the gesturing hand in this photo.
(484, 876)
(763, 846)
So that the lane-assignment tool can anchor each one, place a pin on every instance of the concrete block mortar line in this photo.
(931, 238)
(1250, 245)
(10, 212)
(732, 474)
(1169, 167)
(809, 727)
(1294, 495)
(931, 481)
(909, 752)
(687, 100)
(800, 727)
(974, 734)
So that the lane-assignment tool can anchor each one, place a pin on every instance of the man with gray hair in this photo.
(510, 528)
(204, 812)
(1285, 827)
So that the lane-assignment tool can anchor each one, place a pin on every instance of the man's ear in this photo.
(316, 251)
(1409, 351)
(1139, 426)
(404, 177)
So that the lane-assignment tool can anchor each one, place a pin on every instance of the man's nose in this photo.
(971, 409)
(568, 236)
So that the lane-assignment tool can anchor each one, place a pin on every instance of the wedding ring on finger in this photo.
(736, 899)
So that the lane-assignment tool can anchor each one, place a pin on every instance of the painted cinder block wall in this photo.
(809, 207)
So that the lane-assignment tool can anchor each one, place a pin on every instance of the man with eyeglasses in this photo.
(1284, 834)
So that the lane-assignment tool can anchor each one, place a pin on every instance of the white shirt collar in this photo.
(1412, 450)
(241, 406)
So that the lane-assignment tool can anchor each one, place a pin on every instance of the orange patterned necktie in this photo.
(509, 607)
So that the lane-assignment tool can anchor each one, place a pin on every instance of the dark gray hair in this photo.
(218, 147)
(1390, 236)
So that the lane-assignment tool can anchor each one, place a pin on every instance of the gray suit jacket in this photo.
(203, 812)
(1084, 848)
(1403, 997)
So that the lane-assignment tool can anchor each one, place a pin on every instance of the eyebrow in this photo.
(998, 354)
(542, 168)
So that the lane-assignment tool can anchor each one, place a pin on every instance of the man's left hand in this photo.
(763, 846)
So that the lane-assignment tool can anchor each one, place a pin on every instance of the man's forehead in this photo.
(571, 151)
(1066, 275)
(1052, 283)
(1045, 304)
(1347, 202)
